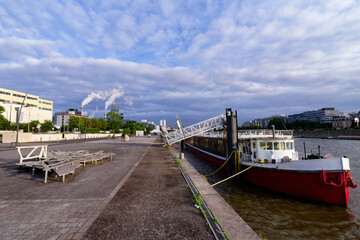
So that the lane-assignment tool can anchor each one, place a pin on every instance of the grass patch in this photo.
(223, 231)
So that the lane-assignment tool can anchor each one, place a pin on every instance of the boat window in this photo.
(289, 146)
(282, 146)
(276, 146)
(269, 146)
(262, 146)
(254, 145)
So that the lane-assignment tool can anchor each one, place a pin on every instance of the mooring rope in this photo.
(233, 175)
(221, 166)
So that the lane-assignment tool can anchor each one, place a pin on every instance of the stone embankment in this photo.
(10, 136)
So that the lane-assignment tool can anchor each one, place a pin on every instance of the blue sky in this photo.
(194, 58)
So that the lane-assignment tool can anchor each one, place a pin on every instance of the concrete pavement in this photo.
(154, 203)
(30, 209)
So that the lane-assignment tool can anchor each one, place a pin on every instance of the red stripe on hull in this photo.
(213, 160)
(306, 185)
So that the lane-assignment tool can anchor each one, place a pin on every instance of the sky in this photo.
(192, 58)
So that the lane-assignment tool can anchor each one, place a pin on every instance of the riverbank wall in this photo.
(340, 134)
(10, 136)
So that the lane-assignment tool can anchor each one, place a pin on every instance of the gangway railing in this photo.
(193, 130)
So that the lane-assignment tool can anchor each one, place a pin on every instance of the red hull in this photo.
(309, 185)
(216, 161)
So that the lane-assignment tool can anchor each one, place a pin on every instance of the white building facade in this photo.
(163, 124)
(34, 108)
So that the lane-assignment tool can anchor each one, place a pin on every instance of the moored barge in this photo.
(275, 165)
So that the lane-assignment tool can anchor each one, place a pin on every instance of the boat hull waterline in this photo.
(329, 185)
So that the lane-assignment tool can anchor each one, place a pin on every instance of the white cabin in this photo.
(267, 146)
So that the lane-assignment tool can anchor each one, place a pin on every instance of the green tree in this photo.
(103, 125)
(76, 122)
(114, 120)
(4, 123)
(93, 123)
(149, 129)
(132, 126)
(47, 126)
(308, 125)
(34, 124)
(277, 122)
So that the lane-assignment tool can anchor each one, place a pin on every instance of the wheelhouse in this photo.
(267, 146)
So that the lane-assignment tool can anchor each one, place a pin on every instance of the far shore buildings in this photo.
(34, 107)
(324, 115)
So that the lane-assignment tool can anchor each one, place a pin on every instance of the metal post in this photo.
(17, 126)
(29, 122)
(231, 125)
(18, 112)
(182, 144)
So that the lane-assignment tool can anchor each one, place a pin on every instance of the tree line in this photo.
(114, 122)
(298, 125)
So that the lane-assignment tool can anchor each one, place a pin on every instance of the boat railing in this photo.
(265, 133)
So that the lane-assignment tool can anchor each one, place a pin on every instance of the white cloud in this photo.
(191, 57)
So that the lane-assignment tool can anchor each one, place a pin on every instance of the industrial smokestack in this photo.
(82, 108)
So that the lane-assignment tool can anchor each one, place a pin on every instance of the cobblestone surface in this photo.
(30, 209)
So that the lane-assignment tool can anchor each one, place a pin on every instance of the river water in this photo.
(279, 216)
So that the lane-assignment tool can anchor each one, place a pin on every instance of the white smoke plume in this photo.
(98, 95)
(114, 94)
(128, 101)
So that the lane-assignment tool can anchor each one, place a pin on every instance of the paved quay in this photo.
(154, 203)
(234, 226)
(30, 209)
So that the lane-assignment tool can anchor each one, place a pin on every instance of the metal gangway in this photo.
(193, 130)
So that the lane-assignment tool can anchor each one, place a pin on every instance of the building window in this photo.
(6, 93)
(32, 98)
(45, 103)
(17, 95)
(289, 146)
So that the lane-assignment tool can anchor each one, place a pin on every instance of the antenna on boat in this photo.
(283, 124)
(273, 131)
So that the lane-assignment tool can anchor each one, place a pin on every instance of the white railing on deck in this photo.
(264, 133)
